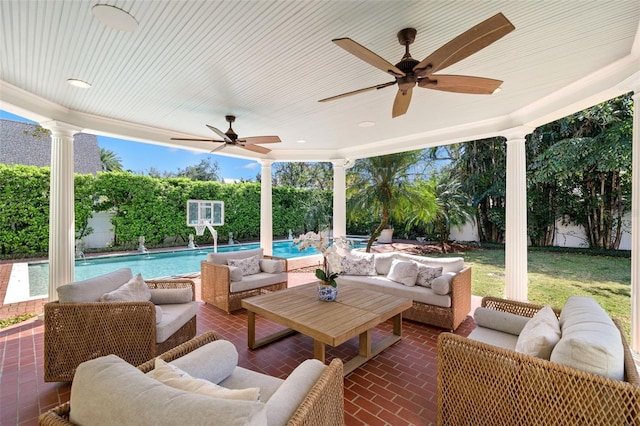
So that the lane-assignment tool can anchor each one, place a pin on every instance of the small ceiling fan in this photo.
(231, 138)
(409, 72)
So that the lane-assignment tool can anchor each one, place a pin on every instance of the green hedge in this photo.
(141, 205)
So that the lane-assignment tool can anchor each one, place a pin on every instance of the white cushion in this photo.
(214, 361)
(165, 296)
(382, 262)
(222, 257)
(500, 320)
(590, 340)
(494, 337)
(403, 272)
(110, 391)
(426, 274)
(540, 335)
(158, 314)
(449, 264)
(254, 281)
(271, 266)
(248, 266)
(91, 289)
(235, 273)
(352, 265)
(134, 290)
(174, 316)
(173, 376)
(442, 284)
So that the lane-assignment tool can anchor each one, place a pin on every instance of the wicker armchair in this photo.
(217, 289)
(78, 332)
(480, 383)
(322, 406)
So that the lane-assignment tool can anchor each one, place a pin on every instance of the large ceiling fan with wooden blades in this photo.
(409, 72)
(231, 138)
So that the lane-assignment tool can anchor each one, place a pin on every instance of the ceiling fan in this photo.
(409, 72)
(231, 138)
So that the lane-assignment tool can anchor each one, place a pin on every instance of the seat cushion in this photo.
(174, 316)
(91, 289)
(494, 337)
(254, 281)
(109, 391)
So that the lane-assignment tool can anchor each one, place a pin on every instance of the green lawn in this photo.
(553, 277)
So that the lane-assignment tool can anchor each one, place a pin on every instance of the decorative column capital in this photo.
(343, 162)
(517, 133)
(60, 128)
(265, 163)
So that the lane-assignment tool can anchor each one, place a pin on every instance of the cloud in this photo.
(251, 166)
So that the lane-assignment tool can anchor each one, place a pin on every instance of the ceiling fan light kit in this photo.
(230, 137)
(409, 72)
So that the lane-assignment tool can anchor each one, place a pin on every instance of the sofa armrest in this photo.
(173, 283)
(77, 332)
(513, 306)
(324, 403)
(484, 384)
(215, 282)
(461, 295)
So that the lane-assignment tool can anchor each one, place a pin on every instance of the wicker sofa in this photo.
(224, 286)
(446, 309)
(109, 391)
(488, 383)
(78, 327)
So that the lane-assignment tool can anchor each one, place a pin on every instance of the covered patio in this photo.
(186, 64)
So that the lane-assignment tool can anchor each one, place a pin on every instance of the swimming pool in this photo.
(150, 265)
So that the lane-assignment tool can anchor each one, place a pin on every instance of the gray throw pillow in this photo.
(135, 290)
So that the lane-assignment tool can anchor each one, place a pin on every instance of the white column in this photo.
(339, 198)
(515, 250)
(61, 207)
(266, 208)
(635, 227)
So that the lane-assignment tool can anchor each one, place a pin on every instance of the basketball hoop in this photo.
(200, 229)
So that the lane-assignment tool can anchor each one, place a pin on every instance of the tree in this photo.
(304, 175)
(110, 161)
(590, 161)
(205, 170)
(381, 186)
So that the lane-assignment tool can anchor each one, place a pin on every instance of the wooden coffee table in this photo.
(355, 312)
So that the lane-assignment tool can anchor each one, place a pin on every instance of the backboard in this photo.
(200, 212)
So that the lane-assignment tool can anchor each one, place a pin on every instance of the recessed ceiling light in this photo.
(301, 141)
(78, 83)
(366, 124)
(115, 17)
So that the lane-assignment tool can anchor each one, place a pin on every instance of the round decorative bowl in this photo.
(327, 293)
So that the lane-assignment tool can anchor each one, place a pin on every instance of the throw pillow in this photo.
(540, 334)
(271, 266)
(442, 285)
(135, 290)
(168, 296)
(248, 265)
(426, 274)
(235, 273)
(172, 376)
(357, 265)
(403, 272)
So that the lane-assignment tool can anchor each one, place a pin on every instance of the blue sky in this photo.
(140, 157)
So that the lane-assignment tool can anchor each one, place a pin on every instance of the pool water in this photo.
(150, 265)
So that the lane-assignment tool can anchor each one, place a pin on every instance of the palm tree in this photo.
(110, 161)
(381, 186)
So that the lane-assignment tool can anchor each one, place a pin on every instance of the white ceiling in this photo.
(190, 63)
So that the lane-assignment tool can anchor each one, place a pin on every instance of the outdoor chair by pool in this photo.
(227, 278)
(79, 326)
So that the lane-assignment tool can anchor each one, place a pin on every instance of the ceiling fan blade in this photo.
(460, 84)
(401, 103)
(219, 133)
(368, 56)
(466, 44)
(218, 148)
(260, 139)
(195, 140)
(355, 92)
(256, 148)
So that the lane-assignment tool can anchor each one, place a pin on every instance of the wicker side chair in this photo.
(78, 332)
(323, 405)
